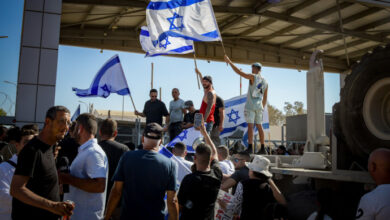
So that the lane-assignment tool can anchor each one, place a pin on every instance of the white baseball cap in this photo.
(260, 164)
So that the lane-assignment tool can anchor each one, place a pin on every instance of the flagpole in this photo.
(131, 97)
(151, 82)
(197, 78)
(123, 105)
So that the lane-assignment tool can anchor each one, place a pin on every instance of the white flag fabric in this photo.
(265, 122)
(234, 121)
(235, 118)
(109, 79)
(176, 45)
(188, 19)
(187, 136)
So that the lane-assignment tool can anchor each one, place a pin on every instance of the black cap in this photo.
(208, 78)
(153, 131)
(188, 104)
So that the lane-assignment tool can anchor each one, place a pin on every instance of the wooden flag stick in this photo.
(131, 98)
(151, 80)
(197, 78)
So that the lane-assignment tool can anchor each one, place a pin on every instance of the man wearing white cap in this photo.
(253, 196)
(255, 102)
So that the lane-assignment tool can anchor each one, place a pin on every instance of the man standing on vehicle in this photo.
(255, 102)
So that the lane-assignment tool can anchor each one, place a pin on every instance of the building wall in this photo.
(38, 60)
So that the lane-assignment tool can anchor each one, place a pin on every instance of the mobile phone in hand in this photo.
(198, 120)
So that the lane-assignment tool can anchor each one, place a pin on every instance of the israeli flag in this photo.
(188, 137)
(176, 45)
(188, 19)
(109, 79)
(76, 114)
(265, 122)
(235, 118)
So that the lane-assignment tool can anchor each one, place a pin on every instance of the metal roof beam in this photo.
(321, 26)
(90, 8)
(278, 33)
(359, 53)
(362, 28)
(117, 18)
(301, 6)
(314, 18)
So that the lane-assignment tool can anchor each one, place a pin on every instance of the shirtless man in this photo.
(208, 102)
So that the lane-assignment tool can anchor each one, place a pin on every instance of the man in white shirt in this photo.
(88, 172)
(18, 138)
(226, 165)
(180, 151)
(376, 204)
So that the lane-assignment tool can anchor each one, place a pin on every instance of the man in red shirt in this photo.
(208, 102)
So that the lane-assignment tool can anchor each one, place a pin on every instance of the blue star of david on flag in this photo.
(183, 135)
(235, 118)
(165, 44)
(179, 22)
(109, 79)
(106, 90)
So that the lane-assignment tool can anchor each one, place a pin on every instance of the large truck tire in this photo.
(364, 109)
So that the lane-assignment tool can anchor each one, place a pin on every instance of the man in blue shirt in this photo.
(143, 178)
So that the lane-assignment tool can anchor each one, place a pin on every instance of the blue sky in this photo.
(77, 66)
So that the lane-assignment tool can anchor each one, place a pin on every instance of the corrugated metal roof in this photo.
(278, 33)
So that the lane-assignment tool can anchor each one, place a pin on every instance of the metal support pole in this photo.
(138, 130)
(283, 134)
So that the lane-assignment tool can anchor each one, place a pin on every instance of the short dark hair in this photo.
(16, 134)
(223, 151)
(31, 127)
(88, 121)
(52, 112)
(245, 155)
(153, 90)
(3, 130)
(203, 153)
(108, 127)
(72, 127)
(180, 147)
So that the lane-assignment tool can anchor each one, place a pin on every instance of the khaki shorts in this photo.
(253, 116)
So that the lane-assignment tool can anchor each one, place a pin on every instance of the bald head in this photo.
(379, 166)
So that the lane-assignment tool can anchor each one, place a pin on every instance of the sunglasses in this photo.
(236, 160)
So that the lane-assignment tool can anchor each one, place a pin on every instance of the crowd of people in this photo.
(64, 171)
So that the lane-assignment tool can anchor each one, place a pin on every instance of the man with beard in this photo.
(34, 186)
(208, 102)
(88, 172)
(154, 110)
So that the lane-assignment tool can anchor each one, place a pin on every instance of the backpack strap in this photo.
(11, 163)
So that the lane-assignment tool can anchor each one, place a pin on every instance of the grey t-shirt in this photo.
(175, 110)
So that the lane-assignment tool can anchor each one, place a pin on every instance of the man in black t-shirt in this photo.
(114, 150)
(199, 190)
(188, 120)
(242, 172)
(34, 186)
(219, 115)
(154, 110)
